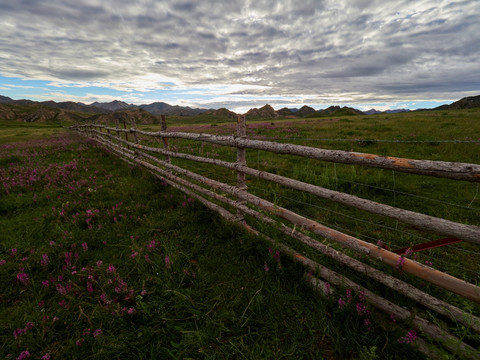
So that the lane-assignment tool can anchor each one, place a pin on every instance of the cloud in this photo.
(283, 50)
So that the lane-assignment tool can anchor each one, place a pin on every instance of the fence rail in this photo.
(245, 203)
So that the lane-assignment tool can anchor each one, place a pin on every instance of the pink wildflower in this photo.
(23, 278)
(46, 356)
(266, 268)
(45, 283)
(18, 332)
(68, 258)
(23, 355)
(134, 255)
(62, 303)
(349, 294)
(341, 303)
(327, 288)
(61, 289)
(44, 261)
(151, 245)
(143, 292)
(400, 263)
(131, 311)
(410, 337)
(97, 333)
(99, 263)
(41, 303)
(84, 246)
(168, 262)
(79, 342)
(428, 263)
(111, 268)
(14, 252)
(147, 259)
(277, 256)
(89, 287)
(3, 262)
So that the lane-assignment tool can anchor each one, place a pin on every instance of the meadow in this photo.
(99, 259)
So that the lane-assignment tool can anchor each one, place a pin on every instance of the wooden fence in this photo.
(246, 204)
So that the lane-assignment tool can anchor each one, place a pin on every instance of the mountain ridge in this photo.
(267, 111)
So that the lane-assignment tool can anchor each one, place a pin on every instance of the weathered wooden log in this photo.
(443, 169)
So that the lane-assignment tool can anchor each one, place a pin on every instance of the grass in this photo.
(182, 282)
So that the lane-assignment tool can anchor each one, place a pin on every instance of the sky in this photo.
(242, 54)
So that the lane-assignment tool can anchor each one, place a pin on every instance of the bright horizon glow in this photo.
(38, 90)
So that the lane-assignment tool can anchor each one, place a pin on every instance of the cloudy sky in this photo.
(241, 54)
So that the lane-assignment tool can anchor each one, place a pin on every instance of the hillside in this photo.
(36, 113)
(223, 112)
(139, 115)
(464, 103)
(264, 112)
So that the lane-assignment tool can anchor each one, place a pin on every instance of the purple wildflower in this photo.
(400, 263)
(23, 278)
(23, 355)
(410, 337)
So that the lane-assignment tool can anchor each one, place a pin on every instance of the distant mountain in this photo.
(265, 112)
(161, 108)
(73, 106)
(113, 105)
(336, 111)
(305, 111)
(396, 111)
(36, 113)
(285, 112)
(222, 112)
(372, 112)
(464, 103)
(5, 100)
(139, 115)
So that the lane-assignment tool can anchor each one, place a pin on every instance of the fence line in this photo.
(451, 170)
(426, 222)
(140, 154)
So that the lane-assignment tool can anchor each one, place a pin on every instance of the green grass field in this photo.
(101, 260)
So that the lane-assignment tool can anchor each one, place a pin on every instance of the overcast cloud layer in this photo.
(238, 53)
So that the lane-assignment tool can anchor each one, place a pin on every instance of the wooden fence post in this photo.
(126, 135)
(117, 123)
(241, 161)
(164, 139)
(135, 136)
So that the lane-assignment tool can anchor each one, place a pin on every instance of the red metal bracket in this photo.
(428, 245)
